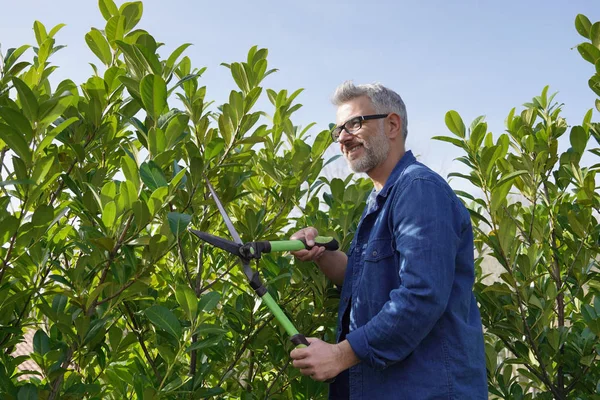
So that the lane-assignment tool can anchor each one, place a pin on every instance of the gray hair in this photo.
(383, 99)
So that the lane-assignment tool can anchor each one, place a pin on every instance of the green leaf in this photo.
(578, 139)
(99, 46)
(589, 52)
(17, 121)
(574, 224)
(108, 9)
(152, 175)
(157, 142)
(27, 99)
(583, 25)
(16, 142)
(8, 227)
(28, 392)
(40, 32)
(130, 170)
(209, 301)
(173, 185)
(455, 123)
(178, 222)
(127, 195)
(153, 91)
(205, 393)
(42, 215)
(109, 214)
(175, 55)
(457, 142)
(17, 182)
(202, 344)
(55, 30)
(187, 300)
(132, 12)
(55, 132)
(595, 34)
(41, 342)
(162, 318)
(175, 129)
(509, 177)
(115, 29)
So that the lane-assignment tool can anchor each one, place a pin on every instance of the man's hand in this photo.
(309, 234)
(322, 361)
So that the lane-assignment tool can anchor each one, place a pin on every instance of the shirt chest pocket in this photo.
(378, 250)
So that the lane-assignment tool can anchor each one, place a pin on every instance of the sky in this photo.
(475, 57)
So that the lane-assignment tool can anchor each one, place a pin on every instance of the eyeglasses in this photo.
(353, 125)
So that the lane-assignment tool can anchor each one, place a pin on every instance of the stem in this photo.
(136, 330)
(111, 258)
(522, 313)
(184, 262)
(170, 368)
(560, 298)
(199, 266)
(58, 381)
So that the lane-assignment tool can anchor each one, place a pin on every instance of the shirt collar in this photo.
(404, 162)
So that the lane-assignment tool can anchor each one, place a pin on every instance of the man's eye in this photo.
(354, 124)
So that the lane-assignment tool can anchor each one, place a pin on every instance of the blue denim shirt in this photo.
(414, 321)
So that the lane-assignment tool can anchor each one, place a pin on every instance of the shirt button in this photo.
(364, 246)
(374, 253)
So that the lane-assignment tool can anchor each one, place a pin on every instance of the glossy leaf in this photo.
(152, 175)
(153, 91)
(99, 46)
(455, 124)
(178, 222)
(162, 318)
(188, 301)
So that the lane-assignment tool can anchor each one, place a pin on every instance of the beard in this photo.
(376, 150)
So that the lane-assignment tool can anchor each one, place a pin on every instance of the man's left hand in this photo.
(322, 361)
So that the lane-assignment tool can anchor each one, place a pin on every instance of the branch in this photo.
(111, 258)
(136, 331)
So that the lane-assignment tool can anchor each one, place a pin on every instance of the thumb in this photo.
(309, 235)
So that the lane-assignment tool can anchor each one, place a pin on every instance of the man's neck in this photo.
(380, 174)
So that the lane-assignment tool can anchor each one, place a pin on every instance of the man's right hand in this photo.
(331, 263)
(308, 234)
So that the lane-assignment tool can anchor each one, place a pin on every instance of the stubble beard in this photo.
(376, 151)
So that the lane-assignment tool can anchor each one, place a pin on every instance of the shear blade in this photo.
(219, 242)
(232, 231)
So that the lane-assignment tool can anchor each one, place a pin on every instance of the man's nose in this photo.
(344, 136)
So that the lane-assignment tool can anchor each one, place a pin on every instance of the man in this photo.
(408, 323)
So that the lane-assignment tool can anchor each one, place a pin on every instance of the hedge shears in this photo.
(246, 252)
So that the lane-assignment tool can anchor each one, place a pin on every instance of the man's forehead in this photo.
(354, 108)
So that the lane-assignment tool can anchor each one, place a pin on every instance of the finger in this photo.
(311, 340)
(319, 253)
(313, 252)
(300, 253)
(298, 354)
(300, 364)
(307, 372)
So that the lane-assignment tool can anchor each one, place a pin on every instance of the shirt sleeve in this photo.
(426, 233)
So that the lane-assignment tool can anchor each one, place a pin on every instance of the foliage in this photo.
(537, 217)
(99, 183)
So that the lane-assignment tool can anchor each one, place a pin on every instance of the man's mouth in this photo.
(351, 149)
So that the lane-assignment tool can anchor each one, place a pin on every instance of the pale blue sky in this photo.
(477, 57)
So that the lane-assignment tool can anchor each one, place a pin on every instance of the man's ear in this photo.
(394, 123)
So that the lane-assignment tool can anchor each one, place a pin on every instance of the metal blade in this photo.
(223, 244)
(232, 231)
